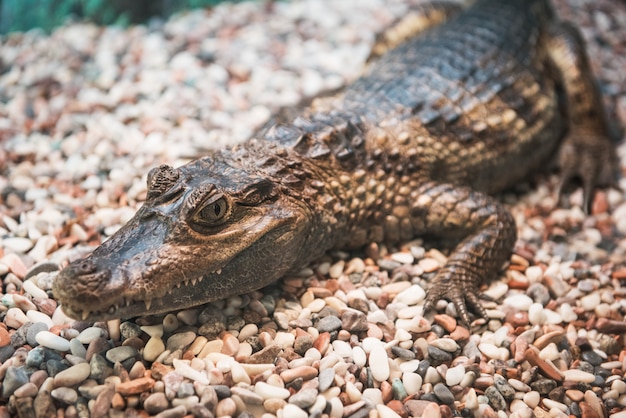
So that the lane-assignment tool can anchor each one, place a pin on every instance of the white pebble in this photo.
(520, 302)
(445, 344)
(536, 314)
(576, 375)
(379, 363)
(342, 348)
(497, 290)
(411, 296)
(403, 257)
(89, 334)
(493, 352)
(412, 382)
(31, 288)
(386, 412)
(534, 274)
(590, 302)
(455, 374)
(373, 395)
(15, 318)
(358, 356)
(50, 340)
(532, 399)
(185, 370)
(17, 244)
(293, 411)
(36, 316)
(267, 391)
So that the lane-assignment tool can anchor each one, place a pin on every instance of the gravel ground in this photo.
(86, 111)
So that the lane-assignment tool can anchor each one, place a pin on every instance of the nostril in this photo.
(86, 267)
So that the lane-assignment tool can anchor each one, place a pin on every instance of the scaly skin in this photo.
(412, 147)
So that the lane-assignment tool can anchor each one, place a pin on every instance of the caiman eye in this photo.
(214, 212)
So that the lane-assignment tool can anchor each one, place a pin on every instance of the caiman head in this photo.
(206, 231)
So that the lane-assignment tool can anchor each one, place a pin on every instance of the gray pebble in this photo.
(496, 400)
(130, 330)
(155, 403)
(6, 352)
(269, 302)
(33, 330)
(592, 358)
(35, 357)
(443, 394)
(471, 351)
(402, 353)
(438, 356)
(121, 354)
(180, 340)
(67, 396)
(100, 368)
(304, 399)
(507, 391)
(539, 293)
(328, 324)
(222, 391)
(185, 389)
(13, 379)
(178, 412)
(543, 386)
(77, 348)
(54, 366)
(387, 264)
(249, 397)
(326, 378)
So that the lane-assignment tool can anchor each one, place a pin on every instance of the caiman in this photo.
(413, 147)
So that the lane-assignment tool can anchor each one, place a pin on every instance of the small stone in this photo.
(455, 375)
(411, 296)
(443, 394)
(326, 378)
(180, 340)
(304, 398)
(268, 391)
(73, 375)
(303, 372)
(379, 363)
(27, 390)
(354, 321)
(293, 411)
(121, 354)
(135, 387)
(496, 400)
(14, 378)
(50, 340)
(575, 375)
(65, 395)
(329, 323)
(33, 330)
(155, 403)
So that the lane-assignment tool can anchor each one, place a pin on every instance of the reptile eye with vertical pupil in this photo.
(213, 212)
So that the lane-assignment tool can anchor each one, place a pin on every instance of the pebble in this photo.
(121, 354)
(379, 364)
(73, 375)
(50, 340)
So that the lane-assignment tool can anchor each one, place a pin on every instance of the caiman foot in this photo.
(459, 287)
(591, 159)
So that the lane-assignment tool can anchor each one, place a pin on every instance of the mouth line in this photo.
(129, 305)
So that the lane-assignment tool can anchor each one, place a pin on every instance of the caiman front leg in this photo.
(486, 231)
(588, 151)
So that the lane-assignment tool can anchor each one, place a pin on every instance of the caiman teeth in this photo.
(148, 303)
(85, 314)
(194, 281)
(218, 271)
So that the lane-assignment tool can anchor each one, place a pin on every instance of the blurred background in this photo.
(23, 15)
